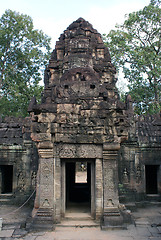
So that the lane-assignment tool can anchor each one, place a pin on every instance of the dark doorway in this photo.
(6, 175)
(151, 172)
(78, 185)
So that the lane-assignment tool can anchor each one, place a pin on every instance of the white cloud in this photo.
(105, 19)
(102, 19)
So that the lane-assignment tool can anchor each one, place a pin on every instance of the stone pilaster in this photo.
(111, 216)
(99, 188)
(43, 213)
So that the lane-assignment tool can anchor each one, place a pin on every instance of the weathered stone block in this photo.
(40, 127)
(46, 117)
(45, 145)
(68, 108)
(39, 137)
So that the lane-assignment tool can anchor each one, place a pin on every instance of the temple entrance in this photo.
(78, 187)
(151, 179)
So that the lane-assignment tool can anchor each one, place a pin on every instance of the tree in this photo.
(135, 47)
(23, 55)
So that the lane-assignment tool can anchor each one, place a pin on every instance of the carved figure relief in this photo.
(34, 179)
(20, 181)
(125, 176)
(138, 175)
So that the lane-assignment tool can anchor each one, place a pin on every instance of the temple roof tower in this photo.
(80, 73)
(80, 46)
(79, 119)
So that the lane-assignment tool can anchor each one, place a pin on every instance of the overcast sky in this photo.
(54, 16)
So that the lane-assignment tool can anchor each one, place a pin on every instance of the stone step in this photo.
(5, 200)
(153, 197)
(142, 221)
(38, 224)
(44, 215)
(77, 223)
(78, 216)
(6, 197)
(42, 221)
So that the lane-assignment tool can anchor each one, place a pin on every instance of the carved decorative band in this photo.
(45, 153)
(110, 155)
(79, 151)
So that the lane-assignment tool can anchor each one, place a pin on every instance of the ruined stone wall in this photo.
(141, 152)
(18, 160)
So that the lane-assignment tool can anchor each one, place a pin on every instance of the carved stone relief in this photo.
(79, 151)
(20, 181)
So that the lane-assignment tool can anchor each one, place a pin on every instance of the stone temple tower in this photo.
(80, 122)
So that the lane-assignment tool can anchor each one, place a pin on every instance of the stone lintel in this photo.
(79, 151)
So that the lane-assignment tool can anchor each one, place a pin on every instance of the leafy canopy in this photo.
(23, 55)
(135, 47)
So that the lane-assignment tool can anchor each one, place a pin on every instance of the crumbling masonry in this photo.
(81, 120)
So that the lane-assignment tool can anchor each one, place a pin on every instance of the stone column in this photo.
(111, 216)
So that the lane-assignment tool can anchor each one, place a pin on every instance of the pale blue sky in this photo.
(54, 16)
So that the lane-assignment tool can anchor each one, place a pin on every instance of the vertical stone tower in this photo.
(80, 120)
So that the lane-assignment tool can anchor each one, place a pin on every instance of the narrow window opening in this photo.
(66, 86)
(151, 172)
(6, 178)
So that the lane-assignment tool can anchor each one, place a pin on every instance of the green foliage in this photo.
(23, 55)
(135, 47)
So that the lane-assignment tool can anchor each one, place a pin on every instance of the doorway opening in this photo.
(151, 172)
(78, 186)
(6, 179)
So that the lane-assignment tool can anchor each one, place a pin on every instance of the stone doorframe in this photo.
(51, 177)
(93, 154)
(63, 184)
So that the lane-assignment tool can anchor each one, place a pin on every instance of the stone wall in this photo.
(140, 152)
(18, 160)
